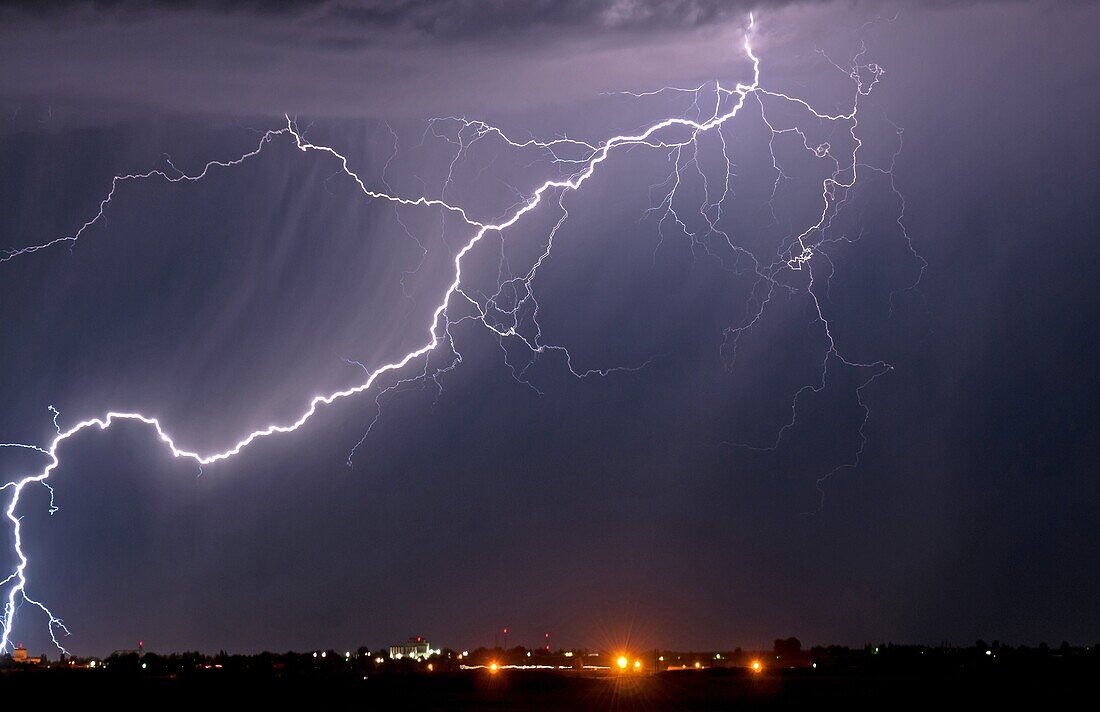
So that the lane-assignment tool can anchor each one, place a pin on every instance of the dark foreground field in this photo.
(537, 690)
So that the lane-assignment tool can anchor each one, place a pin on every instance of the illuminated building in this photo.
(417, 648)
(19, 655)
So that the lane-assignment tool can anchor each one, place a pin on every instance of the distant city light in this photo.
(619, 663)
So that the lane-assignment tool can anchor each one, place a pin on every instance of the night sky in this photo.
(606, 510)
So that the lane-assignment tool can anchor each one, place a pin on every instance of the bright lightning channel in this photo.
(799, 256)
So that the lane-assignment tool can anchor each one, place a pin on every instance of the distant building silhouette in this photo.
(139, 651)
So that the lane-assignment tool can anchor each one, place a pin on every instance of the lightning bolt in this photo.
(511, 314)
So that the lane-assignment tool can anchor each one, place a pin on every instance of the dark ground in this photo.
(714, 689)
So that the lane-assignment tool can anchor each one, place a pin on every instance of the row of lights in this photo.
(622, 662)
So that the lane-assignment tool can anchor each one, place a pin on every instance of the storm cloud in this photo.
(595, 508)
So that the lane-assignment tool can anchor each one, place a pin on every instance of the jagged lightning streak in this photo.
(580, 157)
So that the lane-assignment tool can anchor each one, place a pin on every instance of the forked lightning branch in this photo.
(576, 162)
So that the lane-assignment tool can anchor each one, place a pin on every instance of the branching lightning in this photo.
(511, 314)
